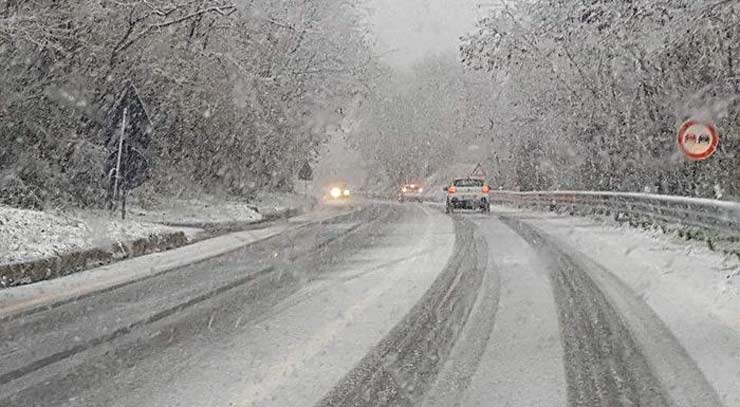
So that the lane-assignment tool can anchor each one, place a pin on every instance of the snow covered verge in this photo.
(195, 211)
(268, 202)
(36, 245)
(210, 210)
(28, 235)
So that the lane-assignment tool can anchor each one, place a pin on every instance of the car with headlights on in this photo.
(338, 193)
(410, 192)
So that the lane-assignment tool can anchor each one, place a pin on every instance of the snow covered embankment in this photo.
(219, 216)
(38, 245)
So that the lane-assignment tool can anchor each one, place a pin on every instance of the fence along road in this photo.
(719, 220)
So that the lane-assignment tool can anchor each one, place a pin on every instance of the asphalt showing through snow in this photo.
(393, 305)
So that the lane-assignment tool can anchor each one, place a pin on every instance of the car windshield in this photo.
(355, 203)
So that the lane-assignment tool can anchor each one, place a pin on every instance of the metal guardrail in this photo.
(675, 212)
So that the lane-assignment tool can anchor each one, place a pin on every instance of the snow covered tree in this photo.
(411, 122)
(604, 86)
(239, 92)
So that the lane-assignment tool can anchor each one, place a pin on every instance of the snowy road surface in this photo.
(397, 305)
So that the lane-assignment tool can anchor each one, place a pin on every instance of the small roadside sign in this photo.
(129, 107)
(127, 138)
(697, 140)
(478, 172)
(305, 173)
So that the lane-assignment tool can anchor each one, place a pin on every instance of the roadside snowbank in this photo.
(191, 211)
(28, 235)
(210, 209)
(37, 245)
(272, 202)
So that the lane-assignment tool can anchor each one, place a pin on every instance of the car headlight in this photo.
(335, 192)
(345, 192)
(421, 190)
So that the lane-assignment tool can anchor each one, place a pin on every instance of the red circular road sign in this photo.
(698, 140)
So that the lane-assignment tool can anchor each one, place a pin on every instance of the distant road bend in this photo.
(386, 305)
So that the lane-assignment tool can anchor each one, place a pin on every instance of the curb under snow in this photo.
(15, 274)
(47, 268)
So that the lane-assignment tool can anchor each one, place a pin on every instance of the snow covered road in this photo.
(252, 327)
(398, 305)
(591, 315)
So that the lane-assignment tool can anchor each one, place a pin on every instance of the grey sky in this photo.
(410, 29)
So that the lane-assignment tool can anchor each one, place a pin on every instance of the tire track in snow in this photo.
(403, 366)
(607, 363)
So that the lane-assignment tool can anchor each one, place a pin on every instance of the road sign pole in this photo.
(305, 174)
(120, 153)
(123, 204)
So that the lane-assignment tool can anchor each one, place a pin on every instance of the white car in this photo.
(468, 193)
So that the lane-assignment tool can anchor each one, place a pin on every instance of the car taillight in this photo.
(452, 189)
(486, 189)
